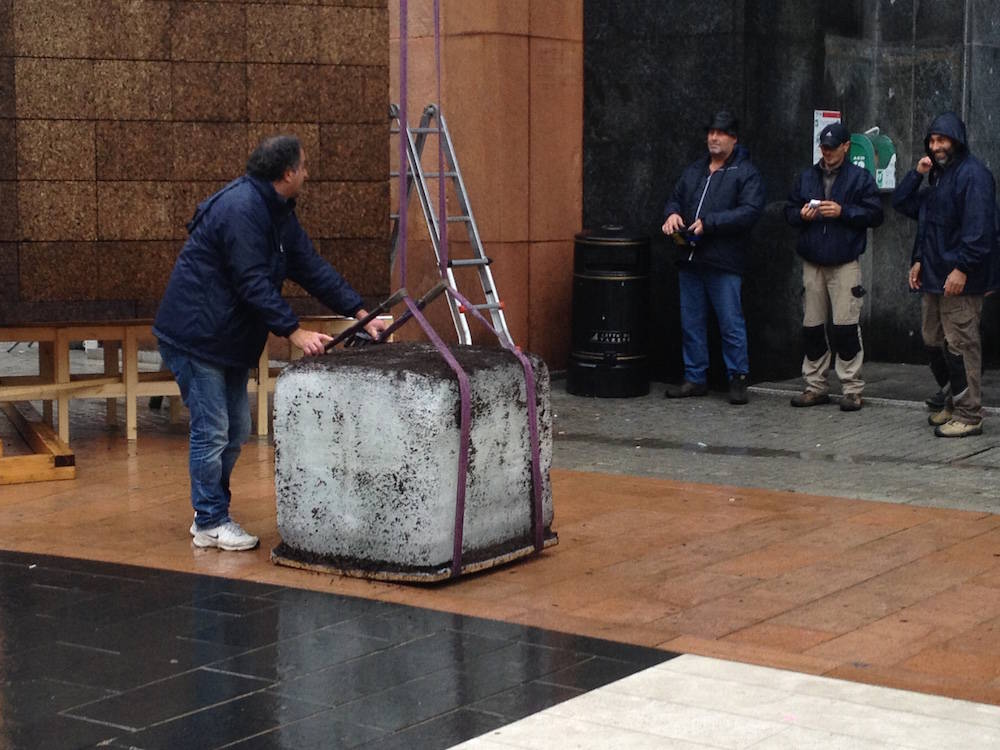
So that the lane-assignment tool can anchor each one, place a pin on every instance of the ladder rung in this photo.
(395, 173)
(446, 169)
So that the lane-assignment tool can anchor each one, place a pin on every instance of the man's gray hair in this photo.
(274, 156)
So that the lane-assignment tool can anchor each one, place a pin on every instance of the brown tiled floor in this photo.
(888, 594)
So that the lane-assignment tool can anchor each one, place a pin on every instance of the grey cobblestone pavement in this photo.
(886, 451)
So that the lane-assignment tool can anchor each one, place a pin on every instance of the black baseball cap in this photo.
(834, 135)
(724, 121)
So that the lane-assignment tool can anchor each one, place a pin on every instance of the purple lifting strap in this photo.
(403, 162)
(442, 203)
(529, 392)
(463, 379)
(463, 446)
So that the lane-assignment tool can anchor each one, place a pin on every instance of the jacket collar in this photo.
(739, 154)
(821, 168)
(277, 204)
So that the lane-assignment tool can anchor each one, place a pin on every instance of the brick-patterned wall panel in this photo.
(117, 117)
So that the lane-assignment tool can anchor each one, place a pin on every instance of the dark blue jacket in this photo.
(956, 215)
(828, 241)
(733, 201)
(224, 294)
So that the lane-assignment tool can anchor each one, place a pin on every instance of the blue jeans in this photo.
(722, 290)
(220, 423)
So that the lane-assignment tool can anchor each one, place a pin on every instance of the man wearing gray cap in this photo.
(834, 203)
(713, 207)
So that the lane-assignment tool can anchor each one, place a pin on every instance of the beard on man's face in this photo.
(942, 154)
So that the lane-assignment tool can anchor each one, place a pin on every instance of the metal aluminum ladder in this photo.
(416, 138)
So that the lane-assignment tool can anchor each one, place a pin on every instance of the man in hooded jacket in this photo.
(713, 207)
(953, 264)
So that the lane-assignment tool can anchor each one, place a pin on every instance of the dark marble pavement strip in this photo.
(320, 730)
(112, 670)
(167, 699)
(178, 623)
(440, 732)
(445, 690)
(300, 656)
(388, 668)
(526, 699)
(223, 724)
(184, 660)
(54, 733)
(37, 699)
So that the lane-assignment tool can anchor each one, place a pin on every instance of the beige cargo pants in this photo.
(830, 288)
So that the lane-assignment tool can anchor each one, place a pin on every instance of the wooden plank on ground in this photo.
(35, 468)
(52, 459)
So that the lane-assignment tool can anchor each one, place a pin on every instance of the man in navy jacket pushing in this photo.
(223, 298)
(834, 202)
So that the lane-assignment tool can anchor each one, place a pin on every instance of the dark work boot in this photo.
(939, 400)
(851, 402)
(942, 375)
(810, 398)
(686, 389)
(738, 389)
(956, 374)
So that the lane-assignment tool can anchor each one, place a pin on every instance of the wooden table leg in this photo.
(263, 385)
(47, 371)
(111, 367)
(175, 409)
(130, 364)
(62, 376)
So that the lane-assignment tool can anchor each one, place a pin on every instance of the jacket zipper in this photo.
(697, 211)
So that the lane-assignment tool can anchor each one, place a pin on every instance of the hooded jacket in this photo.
(224, 293)
(834, 241)
(728, 201)
(955, 213)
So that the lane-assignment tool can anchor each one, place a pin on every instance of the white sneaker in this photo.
(228, 536)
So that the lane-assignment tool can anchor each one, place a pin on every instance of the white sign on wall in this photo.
(822, 118)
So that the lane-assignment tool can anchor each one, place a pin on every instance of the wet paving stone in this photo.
(96, 654)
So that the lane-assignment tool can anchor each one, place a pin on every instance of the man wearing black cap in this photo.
(954, 265)
(715, 203)
(834, 203)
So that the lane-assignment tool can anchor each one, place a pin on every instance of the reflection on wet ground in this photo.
(129, 657)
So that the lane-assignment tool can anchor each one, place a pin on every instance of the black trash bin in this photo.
(610, 314)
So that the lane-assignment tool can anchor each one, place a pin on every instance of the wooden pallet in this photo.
(409, 576)
(52, 458)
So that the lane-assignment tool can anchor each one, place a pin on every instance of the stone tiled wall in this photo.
(512, 94)
(118, 116)
(654, 74)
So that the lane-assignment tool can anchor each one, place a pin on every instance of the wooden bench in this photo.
(56, 386)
